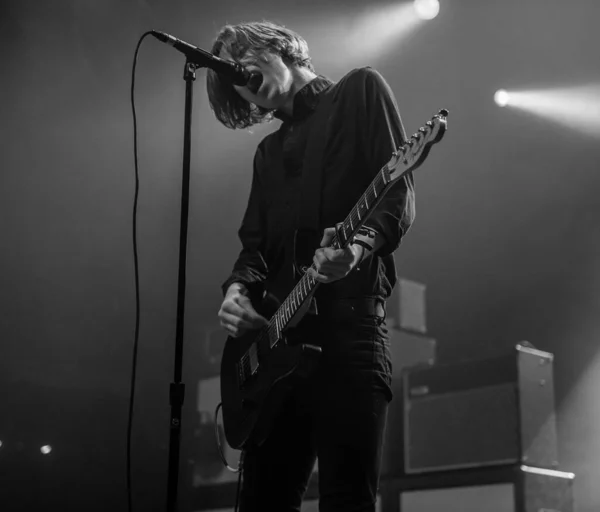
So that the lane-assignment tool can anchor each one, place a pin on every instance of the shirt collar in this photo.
(306, 99)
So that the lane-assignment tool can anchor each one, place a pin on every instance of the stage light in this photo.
(46, 449)
(577, 108)
(501, 98)
(0, 444)
(426, 9)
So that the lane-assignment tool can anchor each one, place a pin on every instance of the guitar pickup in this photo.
(248, 365)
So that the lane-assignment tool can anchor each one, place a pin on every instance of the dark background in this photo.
(505, 237)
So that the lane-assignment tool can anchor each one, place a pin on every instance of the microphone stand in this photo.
(177, 388)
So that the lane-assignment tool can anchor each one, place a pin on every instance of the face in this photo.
(277, 80)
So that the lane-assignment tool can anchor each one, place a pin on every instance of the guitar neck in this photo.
(346, 231)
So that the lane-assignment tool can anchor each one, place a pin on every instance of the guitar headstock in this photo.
(412, 154)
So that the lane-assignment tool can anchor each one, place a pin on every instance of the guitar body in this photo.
(250, 407)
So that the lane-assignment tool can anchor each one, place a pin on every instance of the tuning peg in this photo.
(423, 130)
(429, 123)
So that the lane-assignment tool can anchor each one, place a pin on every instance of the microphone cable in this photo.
(136, 336)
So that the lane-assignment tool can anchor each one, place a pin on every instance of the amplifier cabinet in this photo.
(498, 489)
(409, 350)
(477, 413)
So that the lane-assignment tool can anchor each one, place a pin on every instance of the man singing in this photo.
(338, 414)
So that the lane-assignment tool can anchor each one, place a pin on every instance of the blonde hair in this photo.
(239, 40)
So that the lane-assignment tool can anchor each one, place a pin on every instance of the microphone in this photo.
(235, 72)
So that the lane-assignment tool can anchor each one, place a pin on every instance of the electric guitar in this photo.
(258, 369)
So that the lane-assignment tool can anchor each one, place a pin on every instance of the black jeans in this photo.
(337, 415)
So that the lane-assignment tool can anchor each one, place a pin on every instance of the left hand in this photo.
(334, 264)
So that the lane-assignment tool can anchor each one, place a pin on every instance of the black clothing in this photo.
(364, 130)
(332, 417)
(339, 412)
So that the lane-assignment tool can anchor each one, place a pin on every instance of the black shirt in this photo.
(363, 131)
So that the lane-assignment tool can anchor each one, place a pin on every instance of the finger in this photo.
(232, 331)
(319, 258)
(227, 319)
(328, 255)
(320, 277)
(338, 255)
(334, 270)
(250, 313)
(236, 309)
(329, 274)
(328, 235)
(319, 261)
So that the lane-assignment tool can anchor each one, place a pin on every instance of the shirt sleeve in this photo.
(382, 134)
(250, 268)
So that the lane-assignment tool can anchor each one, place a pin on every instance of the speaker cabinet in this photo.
(406, 307)
(477, 413)
(409, 350)
(499, 489)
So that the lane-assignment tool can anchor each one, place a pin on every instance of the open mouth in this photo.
(255, 81)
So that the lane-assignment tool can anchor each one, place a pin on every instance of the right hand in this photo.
(237, 315)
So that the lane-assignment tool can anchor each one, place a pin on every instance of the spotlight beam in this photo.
(577, 108)
(357, 38)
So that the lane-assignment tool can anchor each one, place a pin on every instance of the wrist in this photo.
(235, 288)
(362, 250)
(370, 239)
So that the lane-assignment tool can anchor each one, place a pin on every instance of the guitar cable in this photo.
(220, 445)
(240, 467)
(239, 483)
